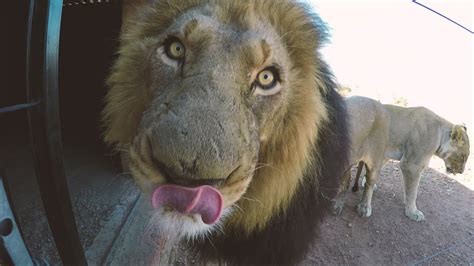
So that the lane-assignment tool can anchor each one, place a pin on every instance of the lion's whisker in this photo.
(210, 241)
(238, 208)
(262, 165)
(252, 199)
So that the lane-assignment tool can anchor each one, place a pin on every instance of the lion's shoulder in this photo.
(415, 129)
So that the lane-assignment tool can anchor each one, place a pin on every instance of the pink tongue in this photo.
(203, 200)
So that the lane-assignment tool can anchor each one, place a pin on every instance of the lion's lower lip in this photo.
(204, 200)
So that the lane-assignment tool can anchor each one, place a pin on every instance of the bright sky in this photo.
(386, 49)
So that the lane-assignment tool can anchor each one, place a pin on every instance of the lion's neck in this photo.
(445, 130)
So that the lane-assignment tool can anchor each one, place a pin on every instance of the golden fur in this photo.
(282, 163)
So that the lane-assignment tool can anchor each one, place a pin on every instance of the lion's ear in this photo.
(456, 134)
(130, 9)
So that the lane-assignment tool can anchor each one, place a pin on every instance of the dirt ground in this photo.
(110, 219)
(388, 237)
(446, 237)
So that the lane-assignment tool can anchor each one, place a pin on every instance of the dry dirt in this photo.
(388, 237)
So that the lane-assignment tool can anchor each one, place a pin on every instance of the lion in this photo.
(380, 132)
(227, 117)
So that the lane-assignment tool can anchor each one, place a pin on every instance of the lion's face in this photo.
(217, 108)
(455, 152)
(214, 90)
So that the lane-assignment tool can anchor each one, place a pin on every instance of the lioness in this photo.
(411, 135)
(231, 123)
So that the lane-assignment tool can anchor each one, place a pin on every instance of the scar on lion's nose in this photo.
(189, 167)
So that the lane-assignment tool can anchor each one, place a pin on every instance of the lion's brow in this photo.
(266, 50)
(190, 27)
(257, 53)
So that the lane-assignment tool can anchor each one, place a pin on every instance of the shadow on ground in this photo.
(389, 237)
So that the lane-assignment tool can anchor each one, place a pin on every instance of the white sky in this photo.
(386, 49)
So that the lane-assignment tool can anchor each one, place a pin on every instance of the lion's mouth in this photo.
(203, 200)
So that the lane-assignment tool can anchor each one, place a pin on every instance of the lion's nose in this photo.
(188, 163)
(196, 138)
(186, 176)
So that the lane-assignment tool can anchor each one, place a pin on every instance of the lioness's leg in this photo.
(362, 180)
(411, 180)
(342, 194)
(364, 208)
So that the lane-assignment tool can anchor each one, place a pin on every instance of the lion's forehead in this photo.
(200, 25)
(463, 148)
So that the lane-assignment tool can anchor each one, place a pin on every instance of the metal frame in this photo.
(12, 248)
(16, 107)
(44, 22)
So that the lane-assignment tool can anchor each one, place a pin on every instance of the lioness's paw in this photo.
(364, 210)
(415, 215)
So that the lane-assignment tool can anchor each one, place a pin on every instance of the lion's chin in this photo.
(176, 226)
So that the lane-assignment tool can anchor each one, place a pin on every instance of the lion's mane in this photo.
(284, 204)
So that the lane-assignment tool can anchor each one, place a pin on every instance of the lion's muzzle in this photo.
(199, 137)
(196, 134)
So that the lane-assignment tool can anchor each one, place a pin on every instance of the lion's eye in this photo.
(266, 78)
(175, 49)
(267, 82)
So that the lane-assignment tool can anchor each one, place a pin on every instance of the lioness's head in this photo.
(455, 151)
(218, 105)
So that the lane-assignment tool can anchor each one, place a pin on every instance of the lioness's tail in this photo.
(355, 188)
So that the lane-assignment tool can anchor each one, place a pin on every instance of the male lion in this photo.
(229, 118)
(411, 135)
